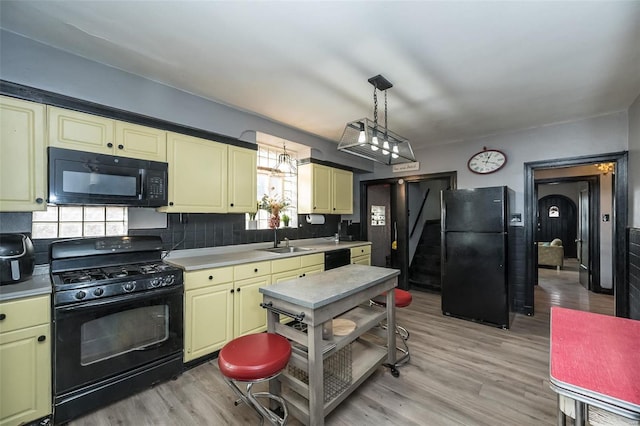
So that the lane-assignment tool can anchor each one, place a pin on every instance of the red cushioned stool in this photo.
(253, 359)
(403, 299)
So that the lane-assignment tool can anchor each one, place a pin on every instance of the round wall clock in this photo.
(487, 161)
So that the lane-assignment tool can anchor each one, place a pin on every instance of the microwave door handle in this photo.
(143, 179)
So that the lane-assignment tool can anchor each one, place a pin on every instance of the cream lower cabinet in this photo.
(248, 316)
(23, 167)
(87, 132)
(25, 360)
(222, 304)
(208, 311)
(295, 267)
(361, 255)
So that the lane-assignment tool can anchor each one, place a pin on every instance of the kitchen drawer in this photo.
(207, 277)
(360, 250)
(283, 265)
(312, 260)
(251, 270)
(23, 313)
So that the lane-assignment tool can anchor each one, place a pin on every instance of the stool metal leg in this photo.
(249, 398)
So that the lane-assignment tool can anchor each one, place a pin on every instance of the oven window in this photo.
(123, 332)
(99, 183)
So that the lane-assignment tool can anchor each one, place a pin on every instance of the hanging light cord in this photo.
(375, 109)
(386, 120)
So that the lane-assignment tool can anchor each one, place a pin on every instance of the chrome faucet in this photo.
(275, 237)
(286, 242)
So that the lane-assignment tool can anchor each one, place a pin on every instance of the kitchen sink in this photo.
(281, 250)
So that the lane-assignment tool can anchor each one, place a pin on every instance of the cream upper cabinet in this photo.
(324, 190)
(25, 360)
(314, 185)
(86, 132)
(243, 187)
(80, 131)
(135, 141)
(342, 191)
(22, 156)
(197, 175)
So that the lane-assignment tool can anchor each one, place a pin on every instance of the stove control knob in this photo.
(80, 295)
(155, 282)
(98, 292)
(128, 286)
(169, 279)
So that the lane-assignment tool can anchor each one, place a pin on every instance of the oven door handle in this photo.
(125, 298)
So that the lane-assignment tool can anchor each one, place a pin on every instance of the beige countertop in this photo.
(38, 284)
(215, 257)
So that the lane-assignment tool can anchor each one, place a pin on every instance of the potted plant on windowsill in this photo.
(253, 223)
(285, 220)
(273, 205)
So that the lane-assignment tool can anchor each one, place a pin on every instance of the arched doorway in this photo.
(557, 219)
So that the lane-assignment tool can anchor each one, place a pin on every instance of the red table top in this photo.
(596, 355)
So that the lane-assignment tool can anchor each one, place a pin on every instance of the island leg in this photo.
(316, 376)
(391, 325)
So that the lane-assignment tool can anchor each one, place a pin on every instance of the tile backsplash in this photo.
(196, 230)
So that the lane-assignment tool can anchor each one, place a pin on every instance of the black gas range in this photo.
(117, 320)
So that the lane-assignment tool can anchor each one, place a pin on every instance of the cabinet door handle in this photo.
(255, 270)
(231, 204)
(42, 338)
(2, 316)
(232, 291)
(109, 145)
(210, 277)
(238, 290)
(170, 203)
(120, 146)
(314, 207)
(39, 200)
(334, 208)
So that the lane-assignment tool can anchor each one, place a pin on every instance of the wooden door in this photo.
(583, 239)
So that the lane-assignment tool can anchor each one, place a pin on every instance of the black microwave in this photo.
(78, 177)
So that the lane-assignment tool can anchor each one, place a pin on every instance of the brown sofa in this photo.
(551, 254)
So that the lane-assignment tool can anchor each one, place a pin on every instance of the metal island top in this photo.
(316, 291)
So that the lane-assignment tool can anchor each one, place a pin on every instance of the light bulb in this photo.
(362, 137)
(375, 143)
(385, 145)
(394, 153)
(385, 152)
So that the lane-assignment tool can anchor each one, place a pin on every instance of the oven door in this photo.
(99, 339)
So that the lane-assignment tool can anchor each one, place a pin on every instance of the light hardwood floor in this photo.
(461, 373)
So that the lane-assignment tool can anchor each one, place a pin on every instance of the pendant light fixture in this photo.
(285, 166)
(362, 137)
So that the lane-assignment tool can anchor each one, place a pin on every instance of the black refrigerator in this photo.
(475, 254)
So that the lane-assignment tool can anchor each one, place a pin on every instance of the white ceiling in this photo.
(460, 69)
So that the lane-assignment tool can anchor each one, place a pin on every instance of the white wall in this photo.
(634, 164)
